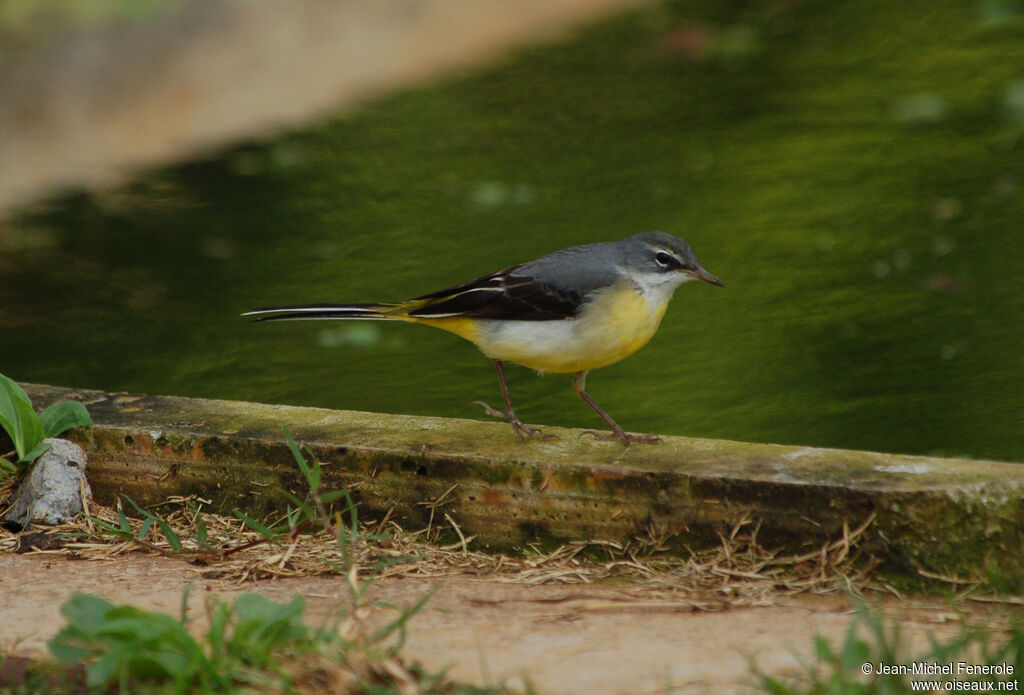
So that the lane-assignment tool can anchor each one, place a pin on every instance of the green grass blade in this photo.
(256, 526)
(170, 535)
(329, 497)
(109, 527)
(139, 509)
(123, 519)
(399, 623)
(202, 538)
(301, 505)
(146, 525)
(312, 475)
(314, 470)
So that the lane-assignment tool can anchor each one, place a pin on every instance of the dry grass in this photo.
(738, 572)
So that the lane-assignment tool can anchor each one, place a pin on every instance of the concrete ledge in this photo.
(943, 515)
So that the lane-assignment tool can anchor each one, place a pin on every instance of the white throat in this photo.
(659, 287)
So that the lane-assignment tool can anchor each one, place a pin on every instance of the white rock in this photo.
(52, 492)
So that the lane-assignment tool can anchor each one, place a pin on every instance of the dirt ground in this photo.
(559, 638)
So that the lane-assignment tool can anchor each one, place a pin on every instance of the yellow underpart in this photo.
(464, 328)
(629, 322)
(613, 325)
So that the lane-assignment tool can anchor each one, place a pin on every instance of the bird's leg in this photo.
(579, 382)
(522, 430)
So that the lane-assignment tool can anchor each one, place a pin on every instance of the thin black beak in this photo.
(707, 277)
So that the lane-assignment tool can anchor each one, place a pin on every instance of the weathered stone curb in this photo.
(942, 515)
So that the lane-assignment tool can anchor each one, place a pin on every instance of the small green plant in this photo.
(27, 429)
(870, 641)
(253, 645)
(119, 644)
(316, 509)
(837, 670)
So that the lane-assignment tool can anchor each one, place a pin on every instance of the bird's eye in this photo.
(667, 260)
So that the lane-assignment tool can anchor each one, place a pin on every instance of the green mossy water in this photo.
(851, 170)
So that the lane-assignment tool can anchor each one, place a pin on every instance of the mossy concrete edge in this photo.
(950, 516)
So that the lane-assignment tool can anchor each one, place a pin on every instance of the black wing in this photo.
(511, 294)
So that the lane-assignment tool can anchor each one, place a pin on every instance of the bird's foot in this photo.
(623, 436)
(522, 430)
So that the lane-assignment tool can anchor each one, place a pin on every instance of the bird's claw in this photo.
(521, 429)
(491, 411)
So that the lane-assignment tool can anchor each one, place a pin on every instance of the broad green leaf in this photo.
(60, 417)
(258, 608)
(37, 451)
(86, 612)
(262, 625)
(823, 650)
(70, 645)
(19, 419)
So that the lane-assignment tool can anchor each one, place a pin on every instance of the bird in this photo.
(571, 311)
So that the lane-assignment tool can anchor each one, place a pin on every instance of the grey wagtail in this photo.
(573, 310)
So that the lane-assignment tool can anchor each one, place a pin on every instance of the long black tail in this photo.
(322, 312)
